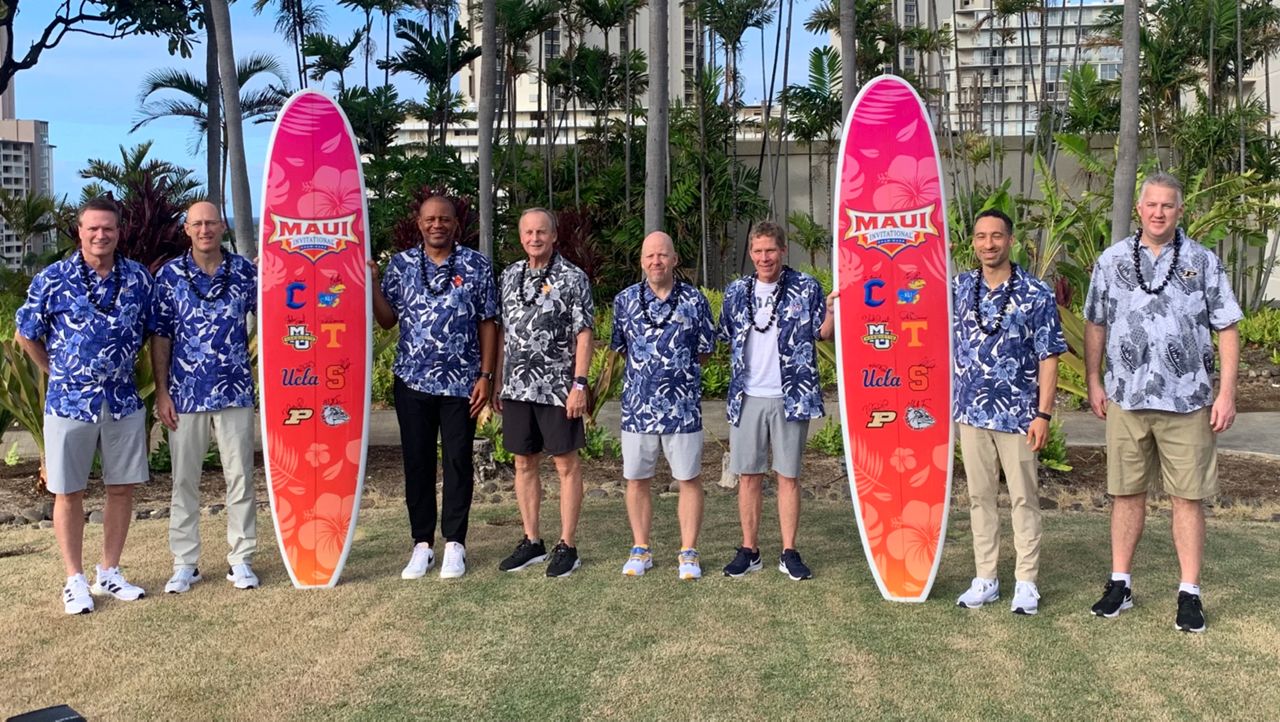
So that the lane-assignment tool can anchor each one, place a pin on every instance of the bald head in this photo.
(204, 227)
(658, 260)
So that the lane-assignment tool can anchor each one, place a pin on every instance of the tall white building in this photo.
(1005, 71)
(26, 167)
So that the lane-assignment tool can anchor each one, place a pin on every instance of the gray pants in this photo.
(188, 444)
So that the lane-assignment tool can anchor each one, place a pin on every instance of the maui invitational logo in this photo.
(313, 237)
(891, 232)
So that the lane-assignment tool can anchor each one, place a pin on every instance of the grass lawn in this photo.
(521, 646)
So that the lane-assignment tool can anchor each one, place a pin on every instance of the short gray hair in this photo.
(1164, 180)
(551, 217)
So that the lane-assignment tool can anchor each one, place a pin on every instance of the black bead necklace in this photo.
(538, 282)
(776, 298)
(113, 278)
(670, 304)
(1002, 305)
(449, 272)
(217, 287)
(1137, 262)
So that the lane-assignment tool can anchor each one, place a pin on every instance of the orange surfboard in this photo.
(893, 334)
(314, 336)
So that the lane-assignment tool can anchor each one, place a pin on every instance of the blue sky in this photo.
(87, 87)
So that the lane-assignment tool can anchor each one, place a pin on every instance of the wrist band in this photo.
(1043, 415)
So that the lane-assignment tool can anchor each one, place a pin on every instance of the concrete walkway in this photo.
(1253, 433)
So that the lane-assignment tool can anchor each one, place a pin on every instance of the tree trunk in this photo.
(488, 86)
(213, 142)
(655, 156)
(241, 203)
(849, 53)
(1127, 141)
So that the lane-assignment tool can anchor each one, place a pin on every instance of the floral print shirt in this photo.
(998, 375)
(801, 312)
(1159, 352)
(439, 316)
(662, 384)
(91, 351)
(542, 318)
(209, 359)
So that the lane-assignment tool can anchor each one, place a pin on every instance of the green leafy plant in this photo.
(1262, 328)
(1054, 454)
(829, 439)
(601, 444)
(491, 429)
(12, 457)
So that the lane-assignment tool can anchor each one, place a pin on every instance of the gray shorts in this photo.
(69, 447)
(763, 425)
(640, 455)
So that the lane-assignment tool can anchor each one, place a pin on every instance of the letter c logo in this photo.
(291, 289)
(869, 292)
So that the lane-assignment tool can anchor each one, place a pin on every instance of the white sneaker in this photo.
(980, 592)
(638, 563)
(690, 566)
(182, 579)
(75, 595)
(111, 581)
(420, 563)
(1026, 598)
(454, 564)
(241, 576)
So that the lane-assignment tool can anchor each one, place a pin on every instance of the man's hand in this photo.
(480, 394)
(1038, 434)
(1223, 413)
(165, 411)
(576, 405)
(1098, 399)
(374, 271)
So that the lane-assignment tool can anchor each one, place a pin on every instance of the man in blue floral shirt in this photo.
(664, 327)
(200, 357)
(545, 341)
(1155, 300)
(83, 323)
(1007, 341)
(772, 321)
(442, 294)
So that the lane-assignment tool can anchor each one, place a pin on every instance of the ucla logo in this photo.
(880, 378)
(879, 336)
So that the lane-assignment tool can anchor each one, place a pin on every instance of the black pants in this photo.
(422, 417)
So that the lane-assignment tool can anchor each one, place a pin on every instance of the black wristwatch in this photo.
(580, 380)
(1043, 415)
(488, 375)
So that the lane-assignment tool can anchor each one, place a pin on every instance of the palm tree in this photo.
(435, 60)
(331, 55)
(488, 84)
(730, 20)
(295, 19)
(1127, 140)
(367, 7)
(241, 204)
(656, 121)
(28, 215)
(213, 102)
(375, 117)
(815, 111)
(390, 9)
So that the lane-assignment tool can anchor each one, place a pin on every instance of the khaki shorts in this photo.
(1179, 450)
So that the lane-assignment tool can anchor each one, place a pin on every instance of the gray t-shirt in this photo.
(1159, 346)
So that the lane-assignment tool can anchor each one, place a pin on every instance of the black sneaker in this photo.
(1190, 613)
(793, 566)
(745, 562)
(526, 553)
(564, 559)
(1116, 597)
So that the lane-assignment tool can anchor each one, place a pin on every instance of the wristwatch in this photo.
(1043, 415)
(486, 375)
(579, 383)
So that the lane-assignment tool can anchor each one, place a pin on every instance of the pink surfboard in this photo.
(893, 334)
(314, 336)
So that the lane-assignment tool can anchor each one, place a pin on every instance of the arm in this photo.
(34, 349)
(827, 330)
(1095, 339)
(483, 389)
(1224, 406)
(383, 313)
(576, 405)
(498, 352)
(161, 349)
(1038, 434)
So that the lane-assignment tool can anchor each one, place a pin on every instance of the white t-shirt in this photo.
(764, 367)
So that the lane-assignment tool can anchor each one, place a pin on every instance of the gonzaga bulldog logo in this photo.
(890, 233)
(313, 237)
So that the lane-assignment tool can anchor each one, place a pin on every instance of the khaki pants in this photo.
(188, 445)
(985, 454)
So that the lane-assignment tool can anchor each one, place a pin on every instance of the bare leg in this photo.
(640, 510)
(749, 500)
(788, 509)
(68, 527)
(528, 492)
(1128, 515)
(689, 512)
(1188, 537)
(116, 516)
(570, 469)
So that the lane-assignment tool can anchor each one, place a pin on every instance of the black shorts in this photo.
(529, 428)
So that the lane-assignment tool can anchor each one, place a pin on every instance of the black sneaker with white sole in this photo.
(793, 566)
(526, 553)
(1190, 613)
(564, 559)
(1115, 598)
(745, 562)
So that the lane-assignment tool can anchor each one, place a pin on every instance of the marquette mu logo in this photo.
(890, 233)
(313, 237)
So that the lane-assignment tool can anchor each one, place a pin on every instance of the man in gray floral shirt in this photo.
(1154, 301)
(547, 318)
